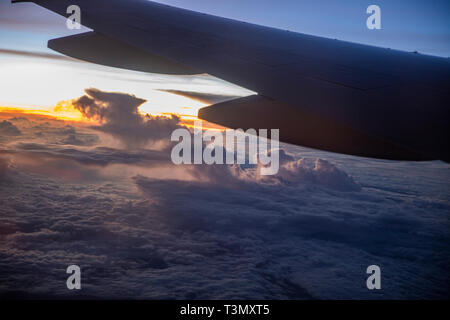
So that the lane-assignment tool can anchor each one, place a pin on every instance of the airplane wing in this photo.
(321, 93)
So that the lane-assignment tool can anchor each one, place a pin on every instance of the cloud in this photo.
(8, 129)
(120, 117)
(295, 236)
(150, 238)
(19, 119)
(98, 156)
(46, 131)
(43, 55)
(55, 150)
(80, 140)
(292, 172)
(322, 173)
(143, 228)
(4, 165)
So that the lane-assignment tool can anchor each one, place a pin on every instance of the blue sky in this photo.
(406, 24)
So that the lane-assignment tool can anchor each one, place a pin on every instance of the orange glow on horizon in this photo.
(64, 110)
(58, 113)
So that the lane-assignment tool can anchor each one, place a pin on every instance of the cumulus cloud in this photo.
(322, 173)
(120, 117)
(292, 171)
(9, 129)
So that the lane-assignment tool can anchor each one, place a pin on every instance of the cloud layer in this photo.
(140, 227)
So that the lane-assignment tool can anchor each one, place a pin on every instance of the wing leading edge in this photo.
(100, 49)
(321, 93)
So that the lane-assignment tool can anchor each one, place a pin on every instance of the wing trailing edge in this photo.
(303, 128)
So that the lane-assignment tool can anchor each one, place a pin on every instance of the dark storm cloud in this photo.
(120, 117)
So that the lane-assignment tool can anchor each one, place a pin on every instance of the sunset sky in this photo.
(36, 78)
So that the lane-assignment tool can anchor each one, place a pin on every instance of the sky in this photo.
(96, 187)
(409, 25)
(50, 80)
(406, 25)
